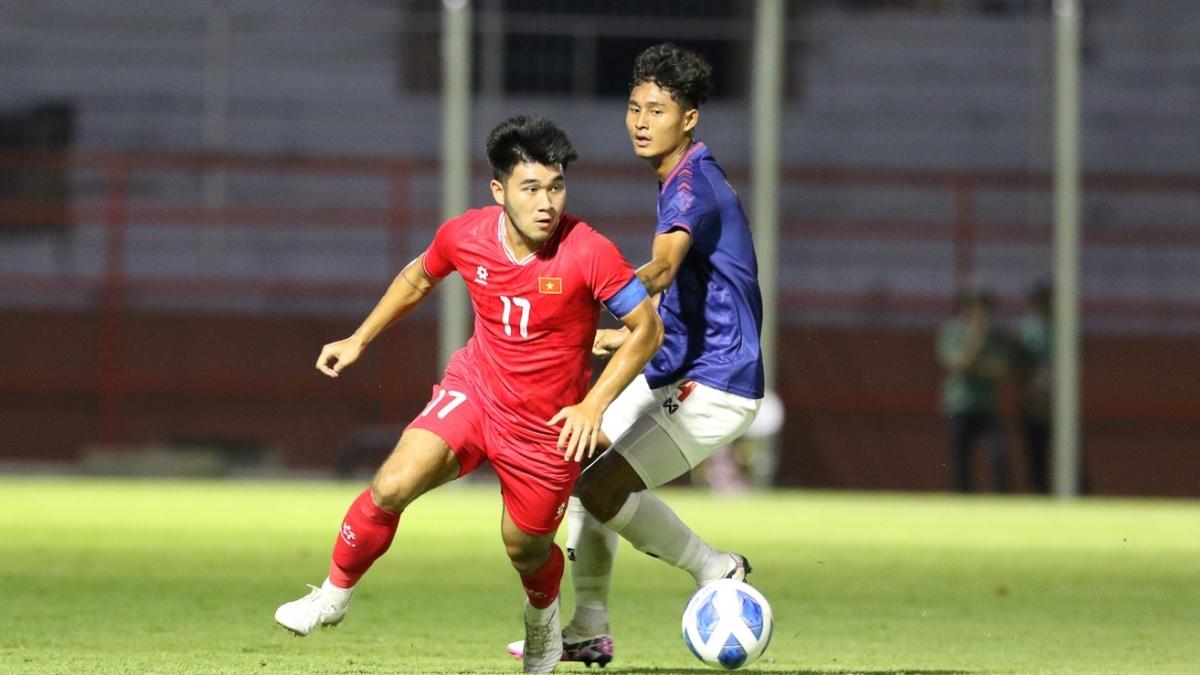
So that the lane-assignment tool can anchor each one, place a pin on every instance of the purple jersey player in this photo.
(704, 386)
(712, 309)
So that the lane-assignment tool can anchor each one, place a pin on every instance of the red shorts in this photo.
(535, 481)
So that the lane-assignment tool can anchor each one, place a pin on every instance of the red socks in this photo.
(366, 534)
(542, 585)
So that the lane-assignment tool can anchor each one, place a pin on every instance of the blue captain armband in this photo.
(627, 299)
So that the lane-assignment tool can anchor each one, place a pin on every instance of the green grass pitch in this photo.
(101, 576)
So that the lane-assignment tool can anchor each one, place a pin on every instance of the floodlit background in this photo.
(195, 196)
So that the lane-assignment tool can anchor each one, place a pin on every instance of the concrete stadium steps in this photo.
(288, 64)
(879, 88)
(883, 87)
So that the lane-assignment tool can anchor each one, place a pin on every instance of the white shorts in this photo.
(663, 433)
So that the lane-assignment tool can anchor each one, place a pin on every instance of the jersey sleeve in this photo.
(684, 210)
(438, 259)
(627, 299)
(609, 275)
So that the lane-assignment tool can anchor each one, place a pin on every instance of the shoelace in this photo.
(537, 638)
(315, 595)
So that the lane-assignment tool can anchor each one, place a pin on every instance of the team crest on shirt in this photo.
(550, 285)
(481, 275)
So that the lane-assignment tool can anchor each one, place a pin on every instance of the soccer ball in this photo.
(727, 624)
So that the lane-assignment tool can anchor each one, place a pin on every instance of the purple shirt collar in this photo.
(696, 147)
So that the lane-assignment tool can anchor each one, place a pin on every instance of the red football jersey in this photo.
(535, 319)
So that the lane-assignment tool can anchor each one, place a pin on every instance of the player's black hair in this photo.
(527, 138)
(685, 74)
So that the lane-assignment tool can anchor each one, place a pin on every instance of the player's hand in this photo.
(608, 341)
(580, 430)
(335, 356)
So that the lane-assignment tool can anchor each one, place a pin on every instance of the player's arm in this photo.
(581, 422)
(406, 291)
(666, 255)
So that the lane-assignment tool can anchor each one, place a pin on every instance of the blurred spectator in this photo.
(1032, 371)
(974, 356)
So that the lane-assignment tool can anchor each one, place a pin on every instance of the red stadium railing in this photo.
(113, 205)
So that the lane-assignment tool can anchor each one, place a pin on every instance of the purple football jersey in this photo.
(712, 311)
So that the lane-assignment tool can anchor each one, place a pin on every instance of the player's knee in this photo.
(528, 556)
(392, 491)
(586, 490)
(601, 498)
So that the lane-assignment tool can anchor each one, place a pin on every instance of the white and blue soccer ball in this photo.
(727, 624)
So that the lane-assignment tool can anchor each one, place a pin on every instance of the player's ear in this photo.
(691, 117)
(497, 191)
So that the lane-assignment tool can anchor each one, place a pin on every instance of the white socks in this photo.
(339, 594)
(653, 528)
(592, 549)
(540, 614)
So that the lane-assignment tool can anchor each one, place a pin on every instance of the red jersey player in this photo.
(517, 395)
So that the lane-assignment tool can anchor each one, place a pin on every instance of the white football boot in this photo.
(596, 649)
(324, 606)
(543, 639)
(735, 566)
